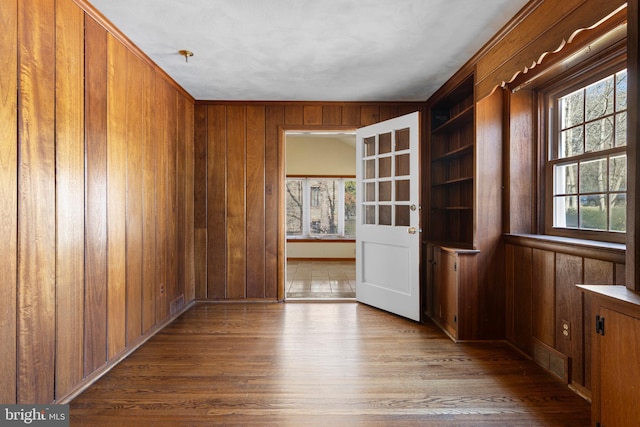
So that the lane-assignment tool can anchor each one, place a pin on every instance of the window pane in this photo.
(403, 190)
(593, 176)
(618, 209)
(370, 193)
(294, 205)
(571, 142)
(621, 129)
(618, 173)
(370, 169)
(402, 139)
(572, 109)
(621, 90)
(403, 165)
(599, 135)
(403, 216)
(370, 214)
(593, 212)
(323, 216)
(384, 141)
(566, 179)
(385, 215)
(599, 98)
(384, 191)
(565, 211)
(350, 208)
(384, 167)
(369, 146)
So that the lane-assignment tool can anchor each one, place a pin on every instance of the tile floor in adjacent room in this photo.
(320, 279)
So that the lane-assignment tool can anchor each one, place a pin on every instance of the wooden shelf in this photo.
(454, 181)
(462, 151)
(457, 120)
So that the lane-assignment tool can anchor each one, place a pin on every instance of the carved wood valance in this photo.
(529, 46)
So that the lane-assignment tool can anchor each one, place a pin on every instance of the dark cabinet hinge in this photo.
(599, 325)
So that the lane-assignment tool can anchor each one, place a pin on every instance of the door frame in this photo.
(282, 237)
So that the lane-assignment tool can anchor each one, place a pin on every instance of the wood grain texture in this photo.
(69, 195)
(174, 287)
(200, 260)
(149, 207)
(312, 115)
(543, 296)
(369, 114)
(236, 202)
(296, 364)
(181, 196)
(522, 317)
(117, 60)
(331, 115)
(351, 115)
(255, 203)
(569, 272)
(217, 203)
(36, 202)
(134, 197)
(95, 322)
(189, 206)
(294, 114)
(160, 134)
(520, 152)
(8, 199)
(200, 166)
(632, 273)
(273, 250)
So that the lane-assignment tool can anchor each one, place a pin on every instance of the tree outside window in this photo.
(319, 207)
(588, 157)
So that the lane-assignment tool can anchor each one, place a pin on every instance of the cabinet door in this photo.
(449, 291)
(619, 369)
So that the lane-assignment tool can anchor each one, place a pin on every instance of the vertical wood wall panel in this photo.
(8, 199)
(69, 195)
(180, 196)
(274, 118)
(332, 115)
(149, 191)
(569, 308)
(216, 202)
(255, 202)
(172, 284)
(312, 115)
(134, 209)
(350, 115)
(543, 296)
(95, 322)
(200, 173)
(36, 202)
(189, 225)
(116, 195)
(161, 134)
(236, 202)
(522, 318)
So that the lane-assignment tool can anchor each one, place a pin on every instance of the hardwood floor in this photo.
(333, 364)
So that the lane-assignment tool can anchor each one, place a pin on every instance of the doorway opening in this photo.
(319, 208)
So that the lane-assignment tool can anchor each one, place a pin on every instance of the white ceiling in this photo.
(310, 50)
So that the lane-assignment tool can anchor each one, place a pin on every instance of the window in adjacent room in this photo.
(320, 207)
(586, 167)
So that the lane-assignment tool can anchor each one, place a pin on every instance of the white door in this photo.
(388, 216)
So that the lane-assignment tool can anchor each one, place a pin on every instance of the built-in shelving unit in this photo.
(452, 167)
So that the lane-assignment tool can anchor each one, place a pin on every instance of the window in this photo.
(586, 167)
(320, 207)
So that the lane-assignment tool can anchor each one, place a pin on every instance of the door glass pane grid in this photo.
(386, 181)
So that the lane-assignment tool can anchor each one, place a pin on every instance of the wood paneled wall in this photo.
(542, 297)
(96, 178)
(238, 174)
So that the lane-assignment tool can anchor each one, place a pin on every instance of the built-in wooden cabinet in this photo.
(615, 333)
(454, 288)
(463, 189)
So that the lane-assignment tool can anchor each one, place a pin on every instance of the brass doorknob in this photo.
(412, 230)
